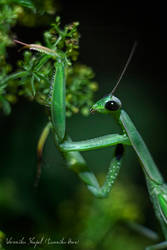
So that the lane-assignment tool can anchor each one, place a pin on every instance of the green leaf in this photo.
(5, 106)
(2, 87)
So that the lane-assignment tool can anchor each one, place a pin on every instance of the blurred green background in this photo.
(61, 208)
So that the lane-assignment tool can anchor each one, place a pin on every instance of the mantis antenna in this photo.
(125, 67)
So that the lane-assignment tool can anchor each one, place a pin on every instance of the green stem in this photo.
(15, 76)
(42, 61)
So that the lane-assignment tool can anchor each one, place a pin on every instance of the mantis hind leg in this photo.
(162, 245)
(76, 162)
(41, 142)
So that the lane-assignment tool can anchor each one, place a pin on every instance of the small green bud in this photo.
(47, 35)
(75, 109)
(11, 98)
(58, 19)
(85, 111)
(2, 236)
(18, 10)
(93, 86)
(69, 97)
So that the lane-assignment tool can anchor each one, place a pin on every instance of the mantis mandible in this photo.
(70, 150)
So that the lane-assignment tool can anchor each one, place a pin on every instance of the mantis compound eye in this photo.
(112, 105)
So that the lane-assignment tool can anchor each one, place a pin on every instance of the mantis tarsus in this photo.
(110, 105)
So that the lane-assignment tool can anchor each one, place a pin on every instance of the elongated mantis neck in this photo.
(138, 144)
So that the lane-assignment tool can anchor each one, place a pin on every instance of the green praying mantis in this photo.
(70, 150)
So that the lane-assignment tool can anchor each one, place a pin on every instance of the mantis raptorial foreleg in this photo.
(58, 111)
(75, 162)
(95, 143)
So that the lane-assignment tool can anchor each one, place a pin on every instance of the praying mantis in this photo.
(70, 150)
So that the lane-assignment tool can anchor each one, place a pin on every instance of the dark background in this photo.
(108, 31)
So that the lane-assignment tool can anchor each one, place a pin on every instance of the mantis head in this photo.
(108, 104)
